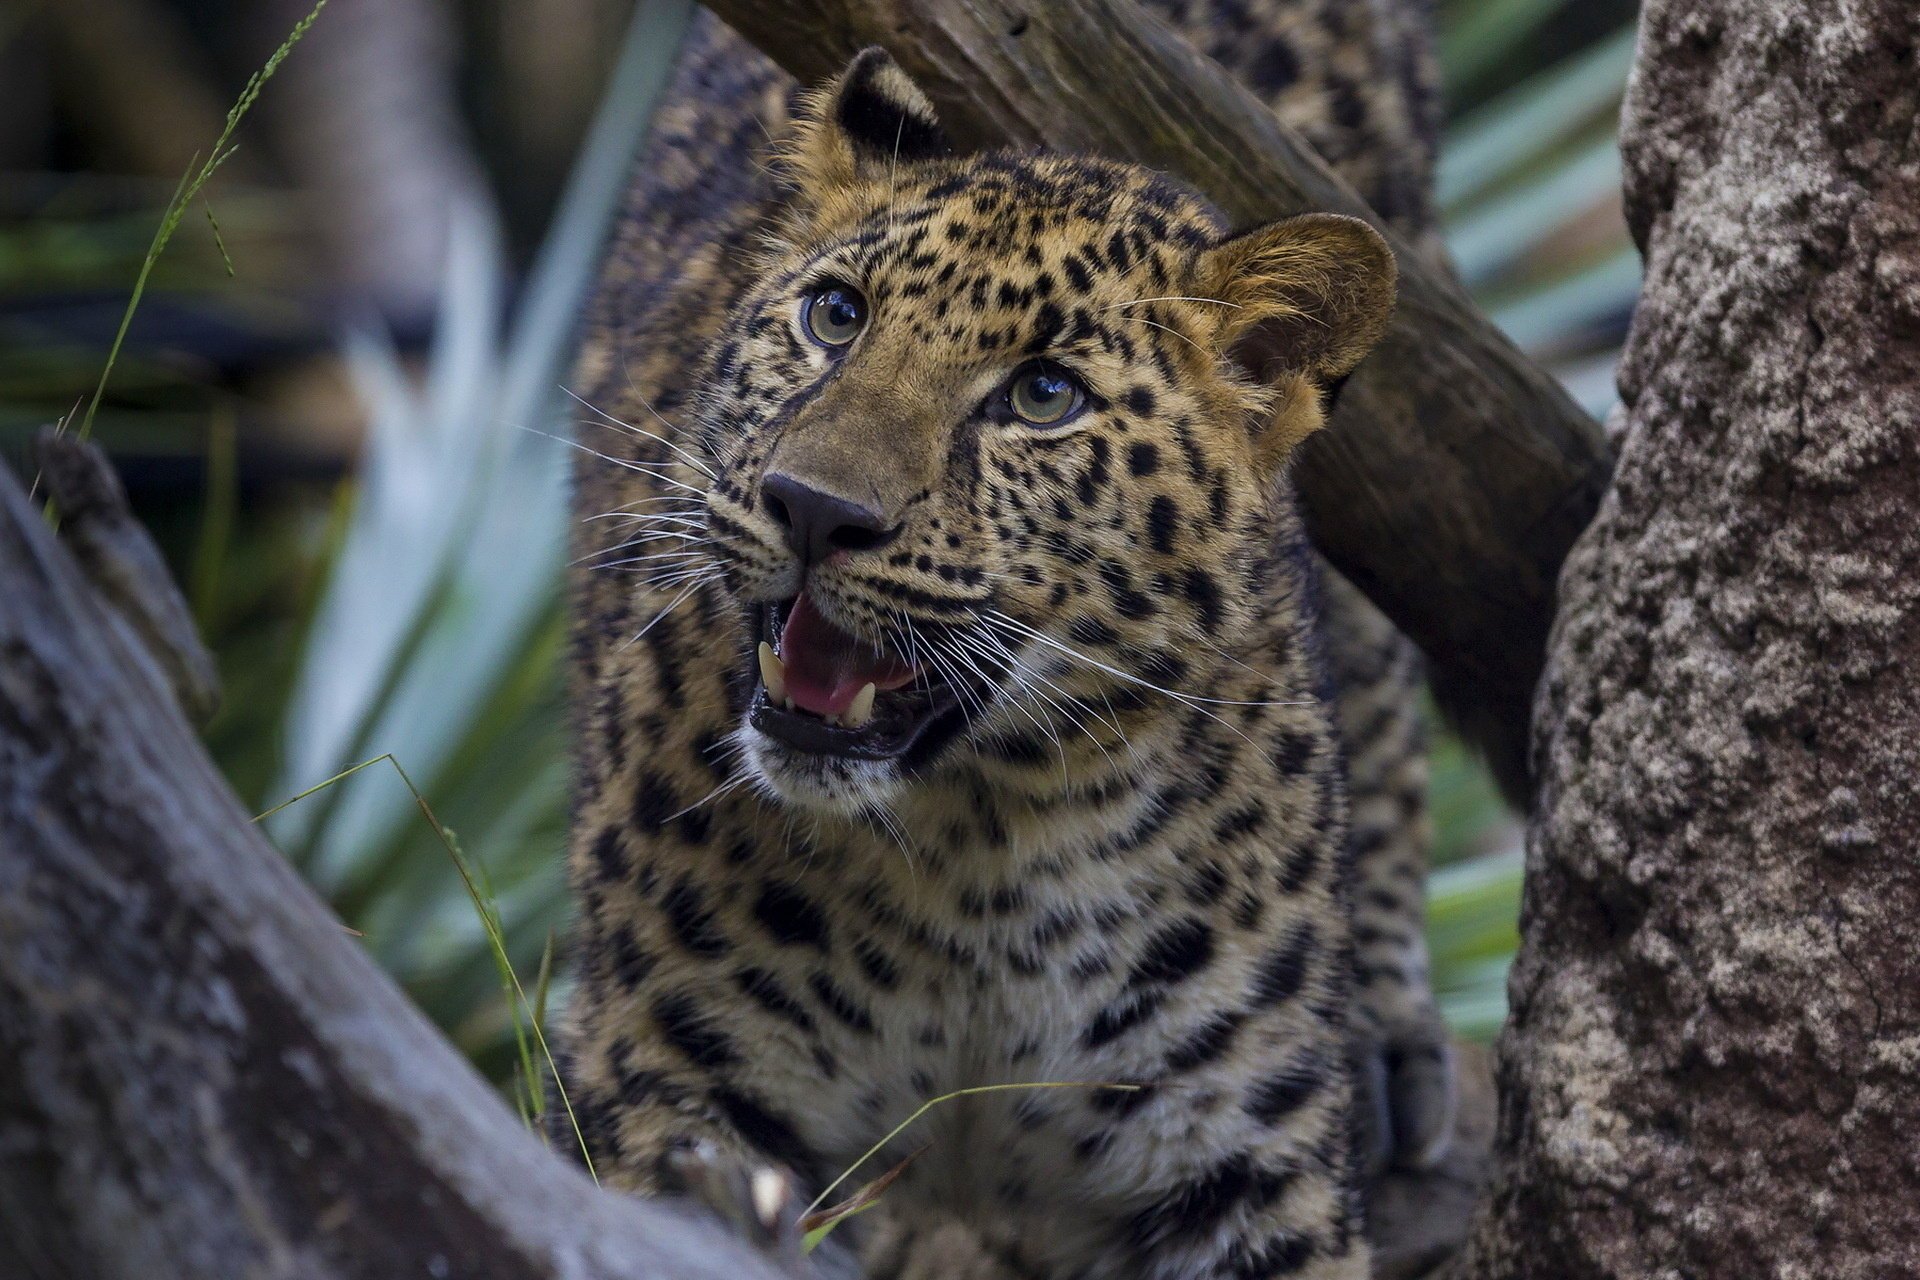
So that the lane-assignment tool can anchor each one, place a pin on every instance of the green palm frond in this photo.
(1478, 37)
(1472, 931)
(438, 637)
(1486, 147)
(1529, 188)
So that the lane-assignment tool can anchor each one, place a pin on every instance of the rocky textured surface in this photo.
(1714, 1068)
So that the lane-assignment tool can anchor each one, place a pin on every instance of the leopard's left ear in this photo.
(1307, 296)
(866, 124)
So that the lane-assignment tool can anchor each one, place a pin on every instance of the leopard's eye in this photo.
(833, 314)
(1043, 394)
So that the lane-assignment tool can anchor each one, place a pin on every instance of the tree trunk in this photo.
(1456, 472)
(202, 1075)
(1713, 1067)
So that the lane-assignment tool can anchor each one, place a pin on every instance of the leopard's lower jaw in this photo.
(828, 784)
(909, 726)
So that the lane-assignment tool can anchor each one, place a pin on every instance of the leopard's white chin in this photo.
(818, 783)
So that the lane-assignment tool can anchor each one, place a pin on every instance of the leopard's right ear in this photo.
(1306, 299)
(864, 126)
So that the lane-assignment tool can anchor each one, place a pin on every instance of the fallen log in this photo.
(201, 1073)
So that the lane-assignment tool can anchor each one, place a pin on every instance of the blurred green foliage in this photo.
(414, 609)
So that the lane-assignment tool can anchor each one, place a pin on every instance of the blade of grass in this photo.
(486, 904)
(218, 240)
(488, 916)
(183, 197)
(543, 977)
(815, 1227)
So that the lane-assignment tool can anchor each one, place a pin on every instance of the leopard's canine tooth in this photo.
(860, 710)
(773, 674)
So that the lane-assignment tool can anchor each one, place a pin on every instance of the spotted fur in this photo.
(1130, 865)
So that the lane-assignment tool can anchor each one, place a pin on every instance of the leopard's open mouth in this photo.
(826, 692)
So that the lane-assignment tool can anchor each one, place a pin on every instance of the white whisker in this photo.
(1175, 332)
(721, 790)
(891, 821)
(1021, 628)
(669, 559)
(689, 507)
(1172, 297)
(692, 461)
(625, 464)
(691, 540)
(676, 603)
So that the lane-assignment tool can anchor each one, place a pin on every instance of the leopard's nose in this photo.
(818, 523)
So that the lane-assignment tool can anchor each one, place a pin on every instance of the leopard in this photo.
(960, 710)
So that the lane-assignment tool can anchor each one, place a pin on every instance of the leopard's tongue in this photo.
(826, 668)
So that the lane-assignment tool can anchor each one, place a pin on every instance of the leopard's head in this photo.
(998, 436)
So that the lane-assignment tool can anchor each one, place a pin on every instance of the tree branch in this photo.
(125, 567)
(1456, 473)
(200, 1073)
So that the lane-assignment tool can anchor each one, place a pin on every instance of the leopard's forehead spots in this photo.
(1026, 253)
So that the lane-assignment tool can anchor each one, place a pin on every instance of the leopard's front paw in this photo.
(761, 1201)
(1404, 1095)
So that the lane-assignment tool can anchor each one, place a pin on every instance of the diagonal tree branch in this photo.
(1456, 473)
(201, 1074)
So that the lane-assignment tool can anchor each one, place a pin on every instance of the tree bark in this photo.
(1713, 1064)
(201, 1074)
(1456, 473)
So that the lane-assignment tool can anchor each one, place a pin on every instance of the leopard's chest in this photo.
(1038, 1019)
(971, 1088)
(909, 1010)
(995, 1027)
(889, 987)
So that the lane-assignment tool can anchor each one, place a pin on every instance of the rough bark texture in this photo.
(1456, 473)
(119, 557)
(1713, 1067)
(201, 1073)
